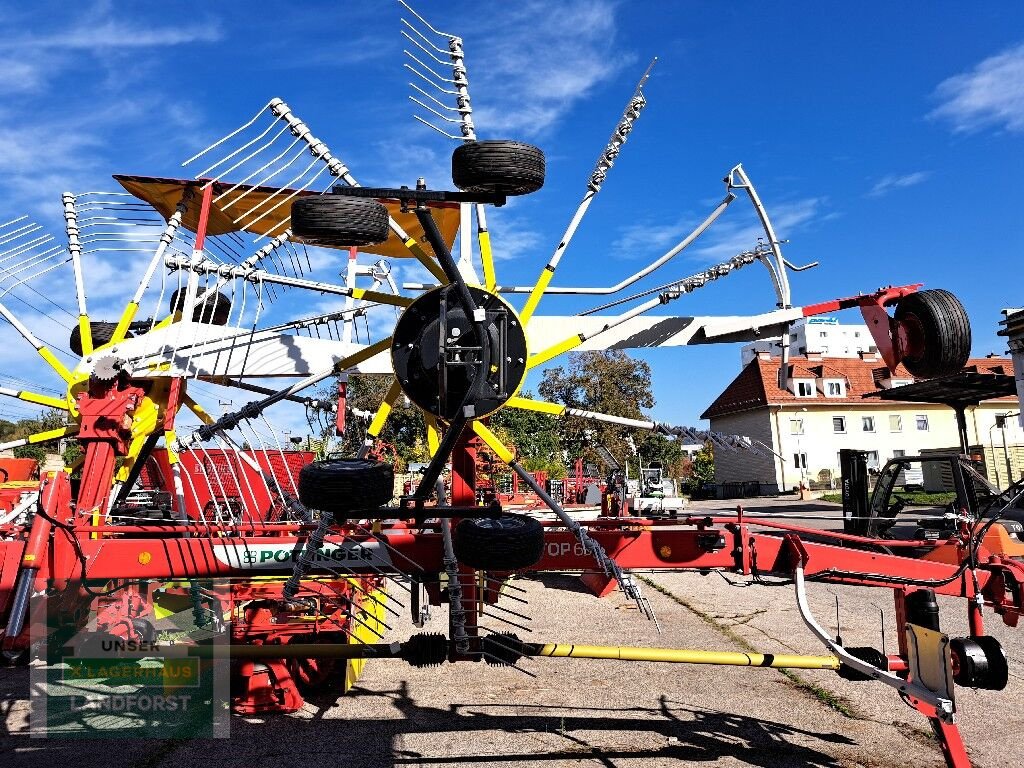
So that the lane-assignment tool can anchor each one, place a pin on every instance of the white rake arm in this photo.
(252, 261)
(254, 409)
(75, 249)
(738, 179)
(209, 267)
(591, 546)
(730, 442)
(583, 291)
(35, 398)
(166, 238)
(597, 178)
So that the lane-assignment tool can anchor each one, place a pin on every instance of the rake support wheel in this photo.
(508, 543)
(938, 331)
(979, 662)
(336, 220)
(498, 167)
(341, 486)
(214, 309)
(102, 333)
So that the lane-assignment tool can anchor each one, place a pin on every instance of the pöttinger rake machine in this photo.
(291, 555)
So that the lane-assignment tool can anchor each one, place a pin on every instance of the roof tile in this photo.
(757, 384)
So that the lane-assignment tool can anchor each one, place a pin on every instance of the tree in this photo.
(535, 437)
(72, 453)
(656, 448)
(704, 464)
(31, 451)
(608, 382)
(404, 428)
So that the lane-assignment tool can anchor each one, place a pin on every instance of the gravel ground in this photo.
(600, 713)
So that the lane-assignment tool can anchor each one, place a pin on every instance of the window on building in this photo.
(823, 334)
(834, 388)
(800, 460)
(805, 388)
(838, 423)
(867, 423)
(922, 422)
(895, 423)
(796, 426)
(898, 453)
(856, 334)
(873, 459)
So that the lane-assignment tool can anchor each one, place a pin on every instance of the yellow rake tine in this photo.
(492, 441)
(433, 433)
(384, 410)
(537, 406)
(42, 437)
(34, 397)
(423, 258)
(554, 351)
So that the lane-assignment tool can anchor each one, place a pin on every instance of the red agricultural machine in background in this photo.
(174, 509)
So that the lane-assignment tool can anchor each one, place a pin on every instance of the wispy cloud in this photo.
(989, 96)
(534, 63)
(97, 29)
(29, 61)
(897, 181)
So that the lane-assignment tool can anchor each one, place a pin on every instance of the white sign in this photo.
(347, 554)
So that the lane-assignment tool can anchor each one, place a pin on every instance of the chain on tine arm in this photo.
(604, 163)
(669, 291)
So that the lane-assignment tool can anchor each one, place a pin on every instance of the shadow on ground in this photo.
(466, 734)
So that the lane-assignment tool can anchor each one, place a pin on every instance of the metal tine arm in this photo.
(20, 232)
(247, 158)
(11, 222)
(503, 620)
(690, 284)
(427, 50)
(591, 546)
(165, 240)
(419, 74)
(270, 163)
(22, 248)
(428, 69)
(228, 136)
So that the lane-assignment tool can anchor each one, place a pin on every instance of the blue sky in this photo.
(885, 140)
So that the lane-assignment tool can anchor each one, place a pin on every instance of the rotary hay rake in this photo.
(172, 504)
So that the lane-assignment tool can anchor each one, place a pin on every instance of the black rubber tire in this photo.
(508, 543)
(101, 335)
(341, 486)
(214, 310)
(980, 662)
(337, 220)
(941, 321)
(498, 167)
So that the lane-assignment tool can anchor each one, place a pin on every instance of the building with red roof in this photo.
(822, 410)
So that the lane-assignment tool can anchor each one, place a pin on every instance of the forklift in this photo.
(960, 495)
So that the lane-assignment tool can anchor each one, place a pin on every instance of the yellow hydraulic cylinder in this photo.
(684, 656)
